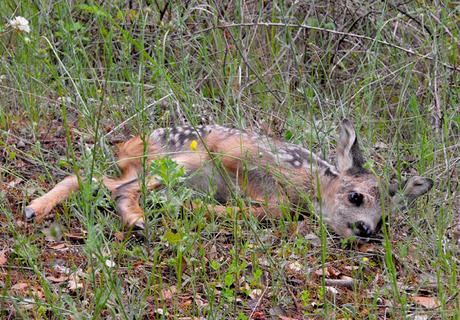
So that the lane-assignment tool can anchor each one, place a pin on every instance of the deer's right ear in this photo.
(349, 155)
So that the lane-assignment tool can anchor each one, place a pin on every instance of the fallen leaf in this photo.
(333, 272)
(74, 285)
(351, 268)
(168, 293)
(427, 302)
(76, 235)
(186, 304)
(20, 286)
(319, 272)
(256, 293)
(367, 248)
(75, 281)
(120, 236)
(295, 266)
(59, 279)
(14, 183)
(3, 258)
(59, 247)
(260, 315)
(62, 269)
(380, 145)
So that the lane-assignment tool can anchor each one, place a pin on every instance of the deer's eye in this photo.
(356, 198)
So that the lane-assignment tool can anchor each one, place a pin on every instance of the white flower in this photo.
(109, 263)
(20, 24)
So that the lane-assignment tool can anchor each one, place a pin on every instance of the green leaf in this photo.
(288, 135)
(229, 279)
(173, 238)
(215, 265)
(94, 10)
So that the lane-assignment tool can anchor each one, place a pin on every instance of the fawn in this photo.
(268, 171)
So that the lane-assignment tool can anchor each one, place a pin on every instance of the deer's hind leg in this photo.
(265, 193)
(262, 187)
(127, 195)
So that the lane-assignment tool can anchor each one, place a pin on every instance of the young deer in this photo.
(270, 172)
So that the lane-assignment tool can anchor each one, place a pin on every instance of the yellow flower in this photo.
(365, 259)
(193, 145)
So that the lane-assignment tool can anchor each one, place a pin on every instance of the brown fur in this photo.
(270, 172)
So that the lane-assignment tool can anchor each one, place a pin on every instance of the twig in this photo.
(342, 33)
(259, 301)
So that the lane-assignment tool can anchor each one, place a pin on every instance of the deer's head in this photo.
(352, 196)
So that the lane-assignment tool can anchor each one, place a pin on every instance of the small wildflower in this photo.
(365, 259)
(193, 145)
(20, 24)
(109, 263)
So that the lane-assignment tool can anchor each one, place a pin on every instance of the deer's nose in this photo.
(362, 229)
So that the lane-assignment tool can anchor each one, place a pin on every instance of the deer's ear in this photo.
(349, 155)
(411, 189)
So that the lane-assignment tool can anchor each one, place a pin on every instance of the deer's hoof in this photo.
(139, 225)
(29, 213)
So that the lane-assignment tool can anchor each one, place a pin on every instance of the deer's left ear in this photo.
(349, 155)
(411, 189)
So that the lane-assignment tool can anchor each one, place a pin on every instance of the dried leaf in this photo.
(427, 302)
(367, 248)
(59, 247)
(14, 183)
(168, 293)
(21, 286)
(59, 279)
(287, 318)
(295, 266)
(62, 269)
(256, 293)
(120, 236)
(259, 315)
(319, 273)
(186, 304)
(74, 285)
(3, 258)
(333, 272)
(75, 281)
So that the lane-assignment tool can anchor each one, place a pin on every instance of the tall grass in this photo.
(89, 75)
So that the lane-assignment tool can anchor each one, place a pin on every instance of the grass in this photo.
(89, 75)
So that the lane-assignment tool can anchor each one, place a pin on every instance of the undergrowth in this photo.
(90, 75)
